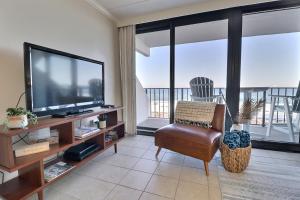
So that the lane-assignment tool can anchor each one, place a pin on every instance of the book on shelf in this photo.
(112, 135)
(43, 135)
(32, 148)
(82, 132)
(53, 171)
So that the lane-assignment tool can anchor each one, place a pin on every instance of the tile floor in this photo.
(135, 174)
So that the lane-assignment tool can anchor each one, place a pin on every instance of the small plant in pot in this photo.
(19, 117)
(236, 143)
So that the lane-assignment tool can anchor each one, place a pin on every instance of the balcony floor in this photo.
(257, 132)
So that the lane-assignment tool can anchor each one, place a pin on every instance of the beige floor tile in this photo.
(193, 162)
(191, 191)
(58, 195)
(213, 180)
(104, 172)
(128, 142)
(131, 151)
(151, 155)
(162, 186)
(145, 165)
(193, 175)
(106, 154)
(136, 143)
(173, 158)
(122, 161)
(132, 137)
(123, 193)
(143, 144)
(112, 174)
(168, 170)
(148, 196)
(148, 139)
(136, 179)
(91, 169)
(196, 163)
(214, 193)
(83, 187)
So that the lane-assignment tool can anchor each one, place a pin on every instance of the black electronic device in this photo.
(81, 151)
(58, 82)
(70, 113)
(108, 106)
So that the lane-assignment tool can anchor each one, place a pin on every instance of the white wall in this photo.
(206, 6)
(142, 103)
(68, 25)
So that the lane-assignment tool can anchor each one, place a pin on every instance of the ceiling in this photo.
(285, 21)
(130, 8)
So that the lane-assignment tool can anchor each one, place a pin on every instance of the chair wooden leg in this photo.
(40, 195)
(289, 119)
(158, 150)
(297, 122)
(116, 148)
(271, 116)
(206, 168)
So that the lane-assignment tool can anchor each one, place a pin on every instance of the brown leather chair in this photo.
(193, 141)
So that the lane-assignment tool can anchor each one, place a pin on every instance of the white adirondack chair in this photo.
(203, 90)
(288, 110)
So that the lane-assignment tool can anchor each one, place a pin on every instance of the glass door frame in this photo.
(170, 25)
(234, 51)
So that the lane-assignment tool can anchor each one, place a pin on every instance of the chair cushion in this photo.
(197, 135)
(195, 113)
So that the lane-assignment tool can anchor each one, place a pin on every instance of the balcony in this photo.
(156, 109)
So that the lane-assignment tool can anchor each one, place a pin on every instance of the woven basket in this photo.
(235, 160)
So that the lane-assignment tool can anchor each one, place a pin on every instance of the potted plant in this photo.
(236, 144)
(19, 117)
(102, 121)
(247, 110)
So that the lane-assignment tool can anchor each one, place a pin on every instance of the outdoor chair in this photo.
(288, 110)
(203, 90)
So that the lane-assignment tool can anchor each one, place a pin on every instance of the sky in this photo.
(267, 61)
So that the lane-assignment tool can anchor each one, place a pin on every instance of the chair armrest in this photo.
(204, 98)
(219, 118)
(284, 96)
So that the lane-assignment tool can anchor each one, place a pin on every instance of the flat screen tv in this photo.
(59, 82)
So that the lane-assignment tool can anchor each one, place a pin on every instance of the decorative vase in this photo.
(102, 124)
(236, 127)
(19, 121)
(246, 126)
(102, 121)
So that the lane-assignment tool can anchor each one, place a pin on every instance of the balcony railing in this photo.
(159, 101)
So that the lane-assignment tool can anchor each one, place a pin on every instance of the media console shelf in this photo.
(31, 167)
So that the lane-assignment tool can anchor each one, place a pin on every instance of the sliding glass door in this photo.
(200, 51)
(270, 71)
(153, 80)
(250, 53)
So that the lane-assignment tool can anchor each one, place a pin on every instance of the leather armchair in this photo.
(197, 142)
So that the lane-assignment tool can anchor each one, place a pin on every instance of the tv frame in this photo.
(28, 82)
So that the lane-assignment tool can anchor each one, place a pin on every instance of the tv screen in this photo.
(58, 82)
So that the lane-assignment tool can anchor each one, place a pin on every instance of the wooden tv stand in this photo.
(31, 167)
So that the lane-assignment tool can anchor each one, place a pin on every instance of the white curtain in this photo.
(128, 76)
